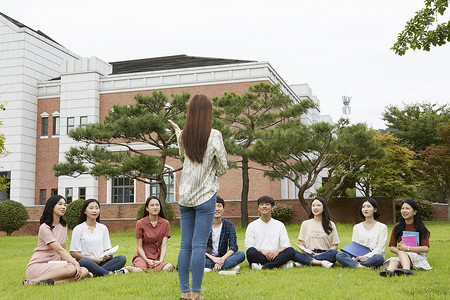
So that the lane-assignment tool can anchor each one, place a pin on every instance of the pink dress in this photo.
(151, 241)
(43, 253)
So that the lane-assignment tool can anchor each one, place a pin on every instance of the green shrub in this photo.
(13, 216)
(426, 208)
(73, 213)
(283, 213)
(170, 215)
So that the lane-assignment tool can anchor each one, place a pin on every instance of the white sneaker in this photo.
(297, 264)
(327, 264)
(90, 274)
(236, 268)
(256, 266)
(121, 271)
(287, 265)
(207, 270)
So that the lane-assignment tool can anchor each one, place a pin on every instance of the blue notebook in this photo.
(354, 249)
(416, 234)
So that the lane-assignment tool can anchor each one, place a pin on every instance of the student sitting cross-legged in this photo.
(222, 249)
(266, 240)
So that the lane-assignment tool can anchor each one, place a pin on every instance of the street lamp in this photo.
(346, 108)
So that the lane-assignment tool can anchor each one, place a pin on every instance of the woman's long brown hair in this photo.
(198, 127)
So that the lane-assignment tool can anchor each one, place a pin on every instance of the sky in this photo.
(337, 47)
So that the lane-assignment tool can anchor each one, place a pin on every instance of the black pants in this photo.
(254, 256)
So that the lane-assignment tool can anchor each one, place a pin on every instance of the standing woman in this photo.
(369, 233)
(90, 239)
(51, 262)
(152, 234)
(318, 234)
(205, 158)
(406, 255)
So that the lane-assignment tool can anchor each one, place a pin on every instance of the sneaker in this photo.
(287, 265)
(90, 274)
(256, 266)
(236, 268)
(121, 271)
(207, 270)
(297, 264)
(327, 264)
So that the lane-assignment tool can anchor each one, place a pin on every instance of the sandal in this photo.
(47, 282)
(403, 272)
(28, 282)
(386, 273)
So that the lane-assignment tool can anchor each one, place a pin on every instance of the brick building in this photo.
(50, 90)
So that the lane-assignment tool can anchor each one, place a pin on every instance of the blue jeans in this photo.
(104, 268)
(304, 259)
(346, 261)
(195, 225)
(230, 262)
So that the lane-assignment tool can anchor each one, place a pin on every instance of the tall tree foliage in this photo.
(245, 117)
(302, 153)
(424, 29)
(129, 126)
(3, 152)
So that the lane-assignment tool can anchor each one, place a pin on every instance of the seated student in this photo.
(222, 236)
(318, 234)
(369, 233)
(407, 255)
(152, 234)
(90, 239)
(266, 240)
(51, 263)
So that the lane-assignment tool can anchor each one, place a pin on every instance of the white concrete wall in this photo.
(80, 96)
(25, 59)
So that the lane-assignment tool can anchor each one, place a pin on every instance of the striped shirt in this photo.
(199, 180)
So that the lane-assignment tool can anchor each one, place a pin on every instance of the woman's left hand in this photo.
(362, 258)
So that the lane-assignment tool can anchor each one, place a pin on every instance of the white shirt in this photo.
(198, 182)
(215, 236)
(375, 238)
(88, 243)
(268, 236)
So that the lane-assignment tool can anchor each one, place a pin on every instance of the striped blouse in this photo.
(199, 180)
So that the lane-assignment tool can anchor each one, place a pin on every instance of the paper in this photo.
(412, 233)
(304, 249)
(110, 251)
(59, 262)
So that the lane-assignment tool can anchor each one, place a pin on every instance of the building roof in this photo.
(169, 62)
(18, 24)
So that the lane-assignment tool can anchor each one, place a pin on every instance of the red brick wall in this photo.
(47, 150)
(440, 212)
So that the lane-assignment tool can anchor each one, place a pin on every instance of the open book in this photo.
(109, 251)
(304, 249)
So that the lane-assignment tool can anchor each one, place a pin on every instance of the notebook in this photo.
(412, 233)
(304, 249)
(354, 249)
(110, 251)
(409, 240)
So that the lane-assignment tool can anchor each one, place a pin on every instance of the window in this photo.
(42, 196)
(83, 122)
(6, 193)
(69, 195)
(325, 181)
(122, 189)
(82, 193)
(55, 125)
(170, 180)
(70, 124)
(44, 126)
(54, 192)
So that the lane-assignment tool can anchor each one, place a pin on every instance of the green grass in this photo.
(301, 283)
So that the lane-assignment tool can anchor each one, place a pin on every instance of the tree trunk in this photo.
(303, 202)
(244, 193)
(162, 192)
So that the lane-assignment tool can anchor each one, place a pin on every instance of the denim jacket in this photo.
(227, 237)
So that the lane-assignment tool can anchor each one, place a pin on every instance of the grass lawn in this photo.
(301, 283)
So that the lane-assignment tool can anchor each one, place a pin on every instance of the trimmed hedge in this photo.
(73, 213)
(283, 213)
(170, 215)
(13, 216)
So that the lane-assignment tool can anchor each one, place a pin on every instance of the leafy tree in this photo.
(73, 211)
(242, 118)
(419, 32)
(3, 152)
(391, 176)
(13, 216)
(435, 165)
(416, 125)
(129, 126)
(302, 153)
